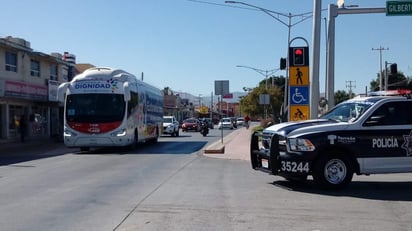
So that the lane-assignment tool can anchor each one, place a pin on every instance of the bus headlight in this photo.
(121, 132)
(69, 132)
(298, 144)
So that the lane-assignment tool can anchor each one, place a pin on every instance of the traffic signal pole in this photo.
(314, 86)
(334, 11)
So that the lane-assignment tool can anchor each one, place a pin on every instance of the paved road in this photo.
(154, 189)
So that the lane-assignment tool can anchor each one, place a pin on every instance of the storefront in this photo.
(30, 101)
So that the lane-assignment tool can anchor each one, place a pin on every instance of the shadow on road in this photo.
(164, 147)
(35, 151)
(382, 190)
(14, 159)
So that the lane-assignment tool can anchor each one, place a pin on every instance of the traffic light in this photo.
(394, 68)
(298, 56)
(282, 63)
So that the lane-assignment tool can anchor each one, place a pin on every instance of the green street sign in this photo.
(398, 8)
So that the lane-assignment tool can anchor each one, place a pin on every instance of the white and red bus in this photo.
(105, 107)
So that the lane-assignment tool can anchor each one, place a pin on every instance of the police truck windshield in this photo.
(346, 112)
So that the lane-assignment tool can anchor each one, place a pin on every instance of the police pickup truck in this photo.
(366, 135)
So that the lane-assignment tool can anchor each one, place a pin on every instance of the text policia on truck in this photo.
(105, 107)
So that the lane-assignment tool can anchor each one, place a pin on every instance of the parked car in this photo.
(225, 123)
(240, 121)
(191, 124)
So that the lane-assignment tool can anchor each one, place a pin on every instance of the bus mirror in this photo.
(126, 92)
(61, 91)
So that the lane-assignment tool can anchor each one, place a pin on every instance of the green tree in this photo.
(250, 103)
(395, 81)
(340, 96)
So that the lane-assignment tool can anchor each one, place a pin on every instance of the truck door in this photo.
(385, 140)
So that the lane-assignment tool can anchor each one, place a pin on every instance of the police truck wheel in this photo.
(333, 172)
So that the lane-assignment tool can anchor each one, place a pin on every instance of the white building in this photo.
(28, 86)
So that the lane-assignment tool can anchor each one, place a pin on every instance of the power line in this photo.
(350, 84)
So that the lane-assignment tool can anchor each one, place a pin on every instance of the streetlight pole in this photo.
(314, 86)
(276, 15)
(265, 73)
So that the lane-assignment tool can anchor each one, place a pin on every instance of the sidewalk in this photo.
(235, 146)
(31, 145)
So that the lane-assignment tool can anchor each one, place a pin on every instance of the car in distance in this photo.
(240, 121)
(191, 124)
(170, 126)
(225, 123)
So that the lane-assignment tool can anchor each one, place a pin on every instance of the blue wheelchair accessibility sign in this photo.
(299, 95)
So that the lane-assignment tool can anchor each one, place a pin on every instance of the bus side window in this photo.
(134, 99)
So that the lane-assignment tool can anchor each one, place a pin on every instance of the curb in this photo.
(215, 150)
(218, 147)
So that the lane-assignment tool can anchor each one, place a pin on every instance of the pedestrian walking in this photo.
(22, 127)
(247, 119)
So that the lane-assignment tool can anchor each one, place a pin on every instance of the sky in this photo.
(188, 45)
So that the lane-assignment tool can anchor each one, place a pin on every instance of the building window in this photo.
(35, 68)
(65, 73)
(11, 61)
(53, 72)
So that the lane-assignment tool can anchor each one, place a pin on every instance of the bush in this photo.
(266, 122)
(257, 129)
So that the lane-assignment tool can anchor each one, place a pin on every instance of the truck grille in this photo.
(267, 137)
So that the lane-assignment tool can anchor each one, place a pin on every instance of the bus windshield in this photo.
(95, 108)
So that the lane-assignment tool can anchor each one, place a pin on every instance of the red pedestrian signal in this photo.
(298, 56)
(298, 59)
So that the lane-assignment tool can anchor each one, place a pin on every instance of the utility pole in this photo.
(380, 49)
(314, 75)
(350, 86)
